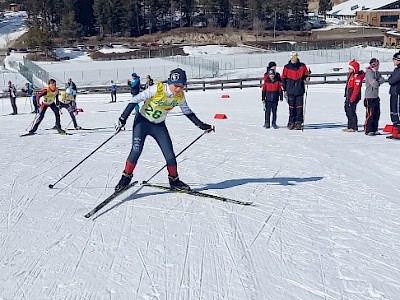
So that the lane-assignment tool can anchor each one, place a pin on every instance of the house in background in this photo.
(351, 8)
(379, 18)
(392, 38)
(16, 7)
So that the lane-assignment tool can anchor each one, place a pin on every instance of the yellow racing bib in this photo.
(50, 96)
(156, 109)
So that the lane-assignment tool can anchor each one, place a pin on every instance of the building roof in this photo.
(349, 8)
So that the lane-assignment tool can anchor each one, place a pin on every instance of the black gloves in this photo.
(205, 127)
(119, 124)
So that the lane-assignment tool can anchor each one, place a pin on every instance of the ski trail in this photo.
(10, 205)
(322, 274)
(121, 234)
(165, 242)
(186, 259)
(259, 232)
(202, 268)
(230, 253)
(142, 272)
(84, 249)
(153, 286)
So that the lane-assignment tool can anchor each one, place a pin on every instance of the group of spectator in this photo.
(292, 85)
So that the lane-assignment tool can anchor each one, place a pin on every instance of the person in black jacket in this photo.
(12, 91)
(394, 91)
(271, 94)
(294, 76)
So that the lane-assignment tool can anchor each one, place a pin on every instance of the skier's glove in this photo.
(205, 127)
(120, 124)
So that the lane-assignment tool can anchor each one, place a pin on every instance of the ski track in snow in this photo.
(324, 224)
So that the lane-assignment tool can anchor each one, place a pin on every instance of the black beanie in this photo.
(271, 64)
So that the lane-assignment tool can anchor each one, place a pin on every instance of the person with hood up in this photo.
(353, 95)
(373, 79)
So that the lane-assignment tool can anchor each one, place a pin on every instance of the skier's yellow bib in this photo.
(156, 109)
(50, 96)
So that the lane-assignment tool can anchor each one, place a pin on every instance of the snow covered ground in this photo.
(324, 225)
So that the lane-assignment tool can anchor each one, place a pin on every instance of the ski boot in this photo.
(290, 126)
(176, 184)
(298, 126)
(274, 126)
(77, 127)
(124, 181)
(61, 131)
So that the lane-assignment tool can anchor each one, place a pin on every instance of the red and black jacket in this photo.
(271, 90)
(353, 86)
(293, 77)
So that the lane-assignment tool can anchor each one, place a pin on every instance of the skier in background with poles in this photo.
(158, 99)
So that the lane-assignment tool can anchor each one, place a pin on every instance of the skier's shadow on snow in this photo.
(286, 181)
(324, 125)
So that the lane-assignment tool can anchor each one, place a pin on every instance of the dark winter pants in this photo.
(372, 114)
(71, 108)
(113, 96)
(14, 105)
(270, 107)
(35, 104)
(141, 129)
(42, 111)
(395, 109)
(296, 109)
(350, 109)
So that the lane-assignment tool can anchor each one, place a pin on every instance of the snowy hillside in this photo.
(324, 224)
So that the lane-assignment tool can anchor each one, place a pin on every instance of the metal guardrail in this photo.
(221, 84)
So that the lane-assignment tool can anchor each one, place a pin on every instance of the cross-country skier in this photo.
(49, 97)
(68, 102)
(158, 99)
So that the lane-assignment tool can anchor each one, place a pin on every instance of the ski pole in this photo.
(194, 141)
(52, 185)
(304, 110)
(33, 122)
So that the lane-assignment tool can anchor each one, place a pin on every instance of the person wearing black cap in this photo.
(135, 87)
(272, 66)
(271, 94)
(394, 91)
(158, 100)
(373, 79)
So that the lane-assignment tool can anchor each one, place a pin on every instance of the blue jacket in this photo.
(135, 86)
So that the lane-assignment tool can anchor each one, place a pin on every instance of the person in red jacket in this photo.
(271, 93)
(294, 76)
(353, 95)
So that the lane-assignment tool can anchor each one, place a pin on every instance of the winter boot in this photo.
(124, 181)
(61, 131)
(266, 125)
(274, 126)
(177, 184)
(290, 126)
(297, 126)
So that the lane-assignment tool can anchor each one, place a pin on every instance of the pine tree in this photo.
(324, 6)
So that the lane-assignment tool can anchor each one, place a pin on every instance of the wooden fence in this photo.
(222, 84)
